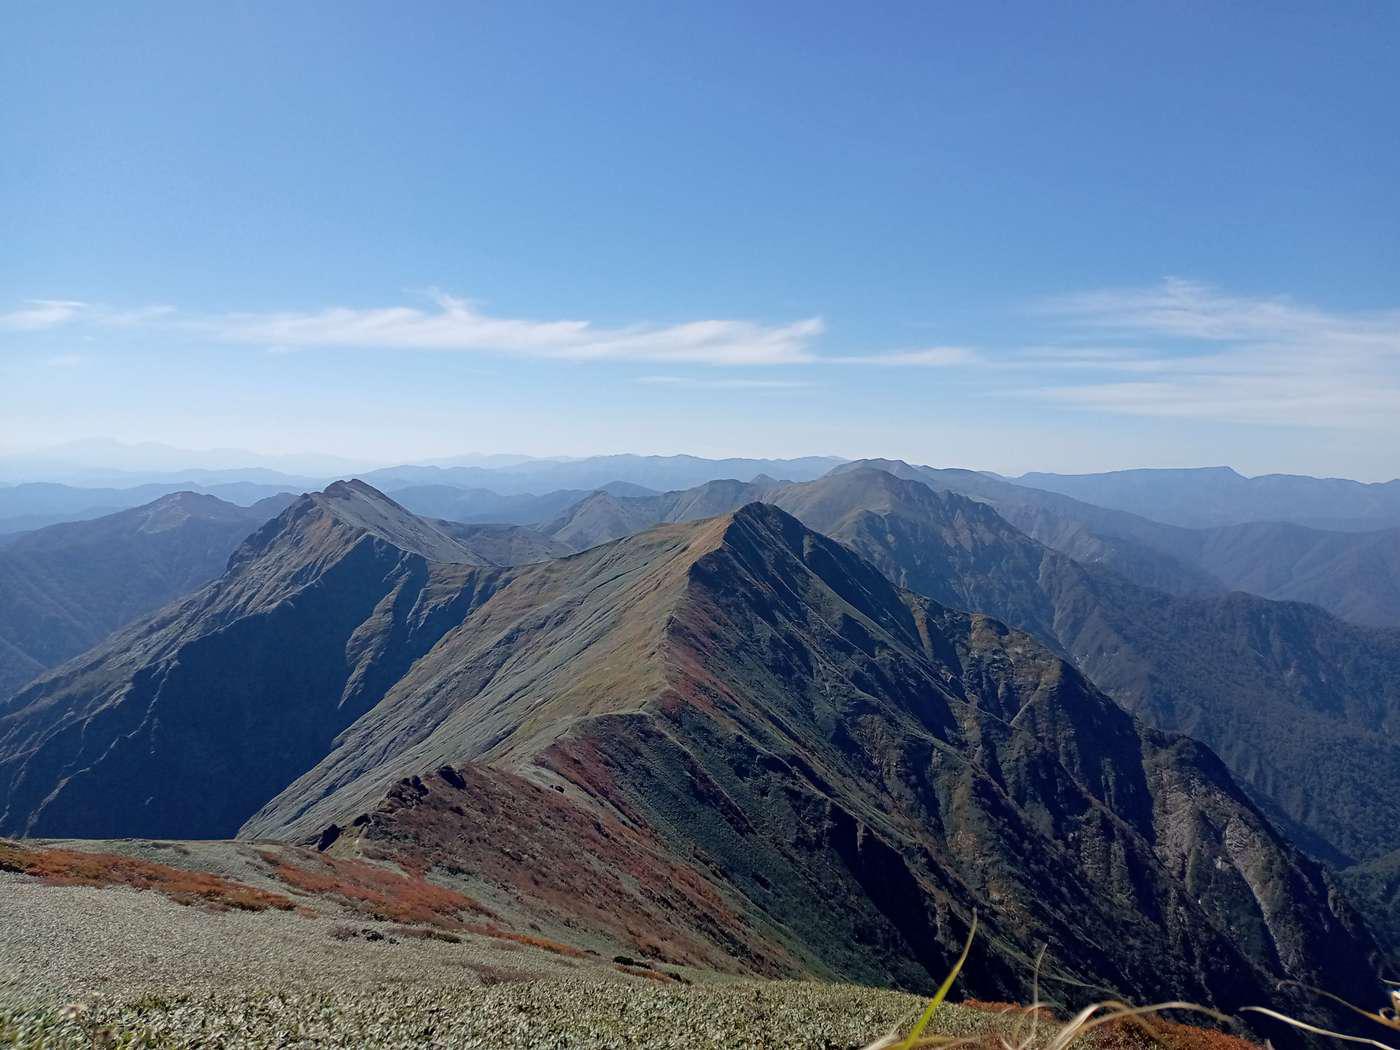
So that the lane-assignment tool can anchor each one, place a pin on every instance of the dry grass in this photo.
(1387, 1017)
(1105, 1025)
(379, 893)
(65, 867)
(543, 943)
(638, 971)
(409, 900)
(1136, 1033)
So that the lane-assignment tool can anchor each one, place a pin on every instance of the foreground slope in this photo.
(66, 587)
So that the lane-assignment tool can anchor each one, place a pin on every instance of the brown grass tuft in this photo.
(650, 975)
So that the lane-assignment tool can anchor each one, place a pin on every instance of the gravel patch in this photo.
(84, 967)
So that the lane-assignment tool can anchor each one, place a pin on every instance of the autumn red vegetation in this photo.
(67, 867)
(378, 892)
(568, 860)
(1141, 1034)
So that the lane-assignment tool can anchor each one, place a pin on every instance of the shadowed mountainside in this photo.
(684, 739)
(240, 685)
(66, 587)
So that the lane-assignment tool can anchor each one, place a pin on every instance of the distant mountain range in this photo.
(656, 473)
(65, 588)
(1209, 496)
(499, 492)
(34, 505)
(727, 739)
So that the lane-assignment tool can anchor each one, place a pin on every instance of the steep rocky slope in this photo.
(66, 587)
(181, 724)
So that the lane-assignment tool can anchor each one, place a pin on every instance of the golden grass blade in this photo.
(1377, 1016)
(1313, 1029)
(942, 992)
(1035, 991)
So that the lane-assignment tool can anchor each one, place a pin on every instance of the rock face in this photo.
(66, 587)
(733, 742)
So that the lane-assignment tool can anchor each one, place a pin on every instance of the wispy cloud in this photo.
(131, 318)
(1176, 349)
(1194, 310)
(927, 357)
(1185, 349)
(38, 314)
(694, 383)
(456, 325)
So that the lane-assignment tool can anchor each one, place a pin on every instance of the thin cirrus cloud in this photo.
(1184, 349)
(699, 383)
(928, 357)
(38, 314)
(1176, 349)
(457, 325)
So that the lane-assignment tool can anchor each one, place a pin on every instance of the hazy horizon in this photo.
(151, 458)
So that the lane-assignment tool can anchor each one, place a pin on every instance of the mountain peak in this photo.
(351, 487)
(362, 506)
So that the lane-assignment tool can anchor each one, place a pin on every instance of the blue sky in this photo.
(1008, 236)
